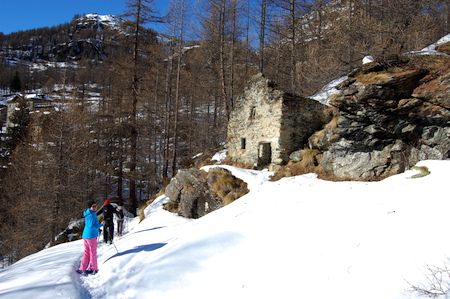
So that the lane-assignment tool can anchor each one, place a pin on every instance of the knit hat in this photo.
(91, 203)
(107, 201)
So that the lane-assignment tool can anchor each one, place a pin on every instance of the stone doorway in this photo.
(264, 154)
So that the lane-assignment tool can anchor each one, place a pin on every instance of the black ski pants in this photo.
(108, 231)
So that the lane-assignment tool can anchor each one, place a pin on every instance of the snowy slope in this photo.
(299, 237)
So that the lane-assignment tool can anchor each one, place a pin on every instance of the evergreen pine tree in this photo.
(16, 84)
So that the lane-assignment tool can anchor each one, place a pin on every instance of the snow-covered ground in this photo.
(299, 237)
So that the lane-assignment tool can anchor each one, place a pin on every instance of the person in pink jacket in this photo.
(90, 234)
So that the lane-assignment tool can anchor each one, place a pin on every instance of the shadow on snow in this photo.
(149, 247)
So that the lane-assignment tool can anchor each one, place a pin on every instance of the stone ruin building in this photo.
(268, 124)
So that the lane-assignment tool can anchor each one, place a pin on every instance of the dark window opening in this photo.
(252, 113)
(243, 143)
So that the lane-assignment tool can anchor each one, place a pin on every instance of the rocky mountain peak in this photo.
(96, 21)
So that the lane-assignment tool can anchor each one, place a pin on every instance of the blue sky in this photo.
(17, 15)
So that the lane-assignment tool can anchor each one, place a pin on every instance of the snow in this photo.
(431, 49)
(108, 20)
(220, 156)
(299, 237)
(328, 90)
(368, 59)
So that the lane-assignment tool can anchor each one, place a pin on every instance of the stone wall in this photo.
(255, 119)
(301, 118)
(268, 124)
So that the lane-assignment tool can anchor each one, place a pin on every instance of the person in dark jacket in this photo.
(108, 216)
(90, 234)
(120, 219)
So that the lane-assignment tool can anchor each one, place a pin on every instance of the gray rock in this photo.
(388, 122)
(191, 192)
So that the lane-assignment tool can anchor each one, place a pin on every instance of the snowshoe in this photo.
(83, 273)
(93, 272)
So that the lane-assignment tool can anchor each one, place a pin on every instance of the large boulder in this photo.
(195, 193)
(190, 191)
(388, 116)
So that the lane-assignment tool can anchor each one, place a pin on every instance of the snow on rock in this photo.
(220, 156)
(432, 49)
(100, 20)
(328, 90)
(368, 59)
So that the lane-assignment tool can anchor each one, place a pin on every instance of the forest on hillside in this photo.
(132, 106)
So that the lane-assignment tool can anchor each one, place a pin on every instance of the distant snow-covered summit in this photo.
(94, 20)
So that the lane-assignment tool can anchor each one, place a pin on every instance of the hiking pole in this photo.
(111, 239)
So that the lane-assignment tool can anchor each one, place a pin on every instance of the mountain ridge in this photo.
(82, 38)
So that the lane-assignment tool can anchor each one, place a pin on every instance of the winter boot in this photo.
(83, 273)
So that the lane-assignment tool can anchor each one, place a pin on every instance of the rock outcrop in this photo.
(388, 116)
(196, 193)
(189, 190)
